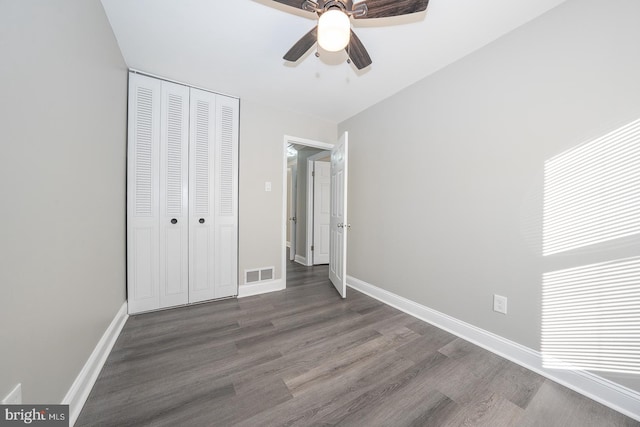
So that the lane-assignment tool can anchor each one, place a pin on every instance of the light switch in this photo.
(267, 186)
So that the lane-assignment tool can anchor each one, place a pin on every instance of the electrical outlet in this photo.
(15, 397)
(500, 304)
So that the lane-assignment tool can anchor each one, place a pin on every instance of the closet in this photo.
(182, 195)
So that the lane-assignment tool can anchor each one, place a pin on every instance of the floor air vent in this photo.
(252, 276)
(266, 274)
(258, 275)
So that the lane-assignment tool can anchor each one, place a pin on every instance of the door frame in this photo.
(311, 161)
(288, 139)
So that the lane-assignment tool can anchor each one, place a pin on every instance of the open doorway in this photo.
(308, 191)
(296, 153)
(336, 193)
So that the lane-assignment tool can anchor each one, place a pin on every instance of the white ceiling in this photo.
(236, 47)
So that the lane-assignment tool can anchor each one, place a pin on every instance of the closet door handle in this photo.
(174, 221)
(201, 220)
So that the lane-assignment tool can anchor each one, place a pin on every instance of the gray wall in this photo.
(445, 184)
(62, 183)
(262, 131)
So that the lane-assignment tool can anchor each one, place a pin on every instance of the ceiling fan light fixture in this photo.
(334, 30)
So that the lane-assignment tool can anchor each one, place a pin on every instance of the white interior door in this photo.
(321, 212)
(201, 185)
(338, 222)
(174, 186)
(143, 194)
(226, 197)
(213, 196)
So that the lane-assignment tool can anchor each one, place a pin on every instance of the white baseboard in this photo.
(14, 397)
(301, 260)
(81, 387)
(615, 396)
(260, 288)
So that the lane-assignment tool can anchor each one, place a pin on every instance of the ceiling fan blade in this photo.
(293, 3)
(357, 53)
(302, 45)
(386, 8)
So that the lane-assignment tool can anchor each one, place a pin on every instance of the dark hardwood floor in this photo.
(305, 357)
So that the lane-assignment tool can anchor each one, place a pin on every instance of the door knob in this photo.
(348, 225)
(201, 220)
(174, 221)
(339, 225)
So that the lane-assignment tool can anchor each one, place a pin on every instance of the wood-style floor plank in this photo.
(304, 356)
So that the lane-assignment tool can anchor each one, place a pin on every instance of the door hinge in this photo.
(313, 173)
(312, 247)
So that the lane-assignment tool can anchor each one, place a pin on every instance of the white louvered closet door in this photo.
(143, 193)
(202, 176)
(174, 188)
(226, 197)
(182, 195)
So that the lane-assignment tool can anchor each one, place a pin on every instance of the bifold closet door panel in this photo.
(143, 196)
(202, 176)
(226, 197)
(174, 188)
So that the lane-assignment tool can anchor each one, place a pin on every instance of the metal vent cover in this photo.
(262, 274)
(266, 274)
(252, 276)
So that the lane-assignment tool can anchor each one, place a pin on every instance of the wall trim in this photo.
(260, 288)
(301, 260)
(81, 387)
(615, 396)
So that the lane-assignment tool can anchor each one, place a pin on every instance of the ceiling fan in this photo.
(334, 33)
